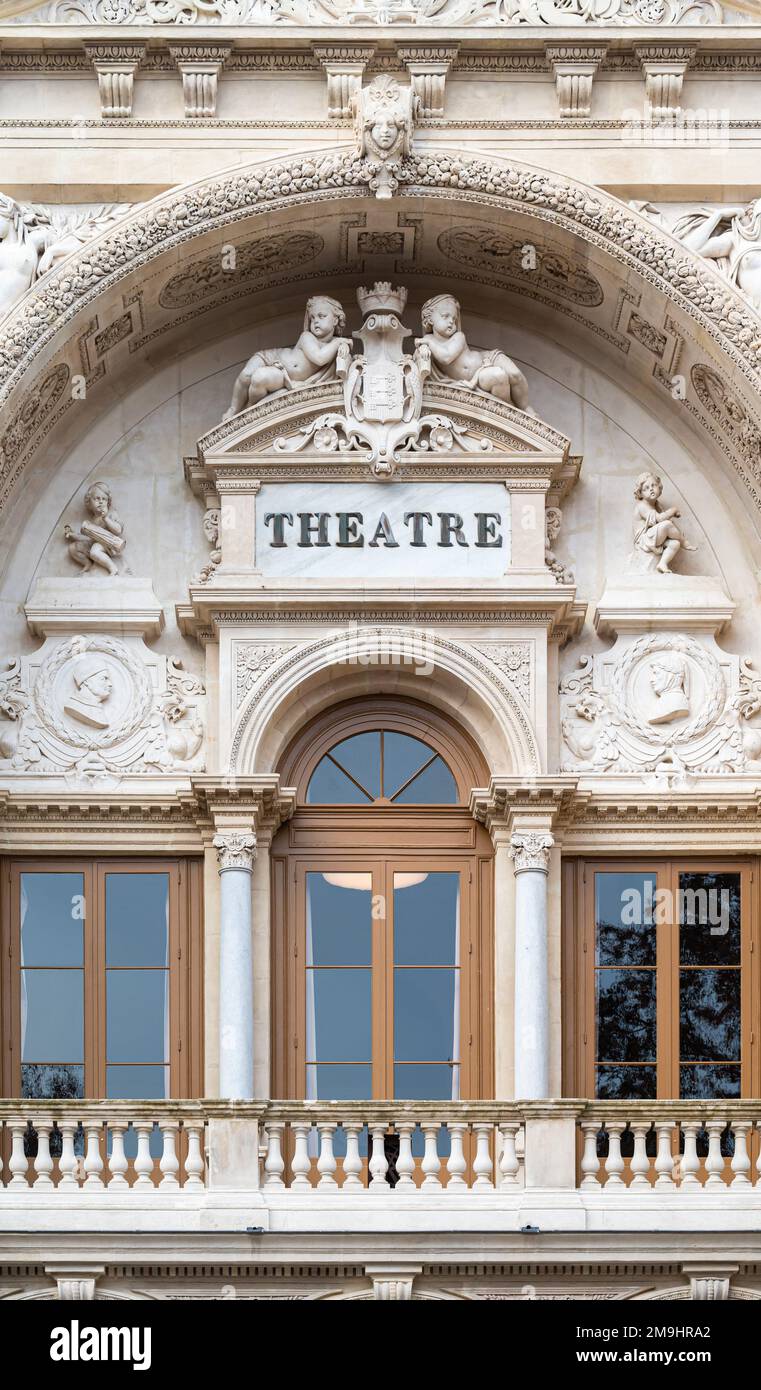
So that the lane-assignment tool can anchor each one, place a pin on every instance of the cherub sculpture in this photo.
(316, 357)
(452, 359)
(657, 538)
(101, 536)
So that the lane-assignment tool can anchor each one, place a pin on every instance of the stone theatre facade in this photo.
(380, 699)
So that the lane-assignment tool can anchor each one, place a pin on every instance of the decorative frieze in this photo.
(115, 65)
(200, 66)
(574, 66)
(385, 13)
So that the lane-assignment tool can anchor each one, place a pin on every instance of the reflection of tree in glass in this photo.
(626, 1015)
(709, 1015)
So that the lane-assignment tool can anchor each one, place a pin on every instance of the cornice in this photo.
(257, 801)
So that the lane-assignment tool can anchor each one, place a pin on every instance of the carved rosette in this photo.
(530, 851)
(236, 849)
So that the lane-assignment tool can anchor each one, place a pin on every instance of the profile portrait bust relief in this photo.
(93, 687)
(669, 681)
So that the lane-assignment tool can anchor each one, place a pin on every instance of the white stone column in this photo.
(236, 851)
(530, 852)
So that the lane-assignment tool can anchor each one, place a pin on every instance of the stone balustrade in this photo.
(396, 1150)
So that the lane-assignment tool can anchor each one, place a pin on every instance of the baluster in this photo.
(93, 1163)
(301, 1164)
(508, 1159)
(169, 1163)
(326, 1163)
(640, 1164)
(194, 1165)
(590, 1162)
(274, 1163)
(715, 1161)
(117, 1160)
(482, 1163)
(67, 1163)
(43, 1163)
(757, 1128)
(431, 1164)
(614, 1163)
(456, 1163)
(352, 1161)
(690, 1165)
(143, 1158)
(664, 1160)
(741, 1158)
(378, 1163)
(405, 1163)
(18, 1163)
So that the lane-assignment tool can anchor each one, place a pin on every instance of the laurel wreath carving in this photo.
(710, 709)
(137, 709)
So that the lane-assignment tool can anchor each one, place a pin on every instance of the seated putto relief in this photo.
(324, 353)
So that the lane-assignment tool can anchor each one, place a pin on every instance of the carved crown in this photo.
(382, 299)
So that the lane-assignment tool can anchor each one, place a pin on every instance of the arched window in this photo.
(382, 766)
(382, 910)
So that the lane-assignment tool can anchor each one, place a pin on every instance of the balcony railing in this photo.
(276, 1156)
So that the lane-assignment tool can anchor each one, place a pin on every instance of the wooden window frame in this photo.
(578, 964)
(354, 838)
(185, 967)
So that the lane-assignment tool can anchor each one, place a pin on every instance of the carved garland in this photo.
(216, 203)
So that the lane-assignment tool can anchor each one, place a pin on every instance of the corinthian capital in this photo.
(236, 849)
(531, 850)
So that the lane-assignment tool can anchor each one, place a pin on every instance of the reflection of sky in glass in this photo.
(342, 1007)
(136, 1005)
(710, 919)
(425, 921)
(51, 919)
(626, 1015)
(339, 925)
(381, 763)
(626, 932)
(709, 1015)
(137, 1083)
(424, 1021)
(705, 1082)
(137, 919)
(54, 1023)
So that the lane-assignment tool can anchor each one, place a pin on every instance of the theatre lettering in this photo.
(353, 530)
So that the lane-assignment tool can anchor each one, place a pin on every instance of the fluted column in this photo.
(530, 852)
(236, 850)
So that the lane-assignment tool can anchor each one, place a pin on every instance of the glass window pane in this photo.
(52, 1016)
(425, 1015)
(137, 919)
(626, 1015)
(360, 756)
(41, 1082)
(706, 1082)
(709, 1015)
(435, 785)
(339, 921)
(418, 1082)
(426, 919)
(627, 1083)
(328, 786)
(709, 914)
(137, 1016)
(52, 913)
(137, 1083)
(339, 1016)
(624, 913)
(339, 1083)
(402, 756)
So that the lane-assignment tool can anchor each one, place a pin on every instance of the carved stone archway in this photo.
(35, 377)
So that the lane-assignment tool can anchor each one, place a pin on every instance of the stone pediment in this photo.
(460, 423)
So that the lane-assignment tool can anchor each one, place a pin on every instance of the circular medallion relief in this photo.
(668, 689)
(92, 692)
